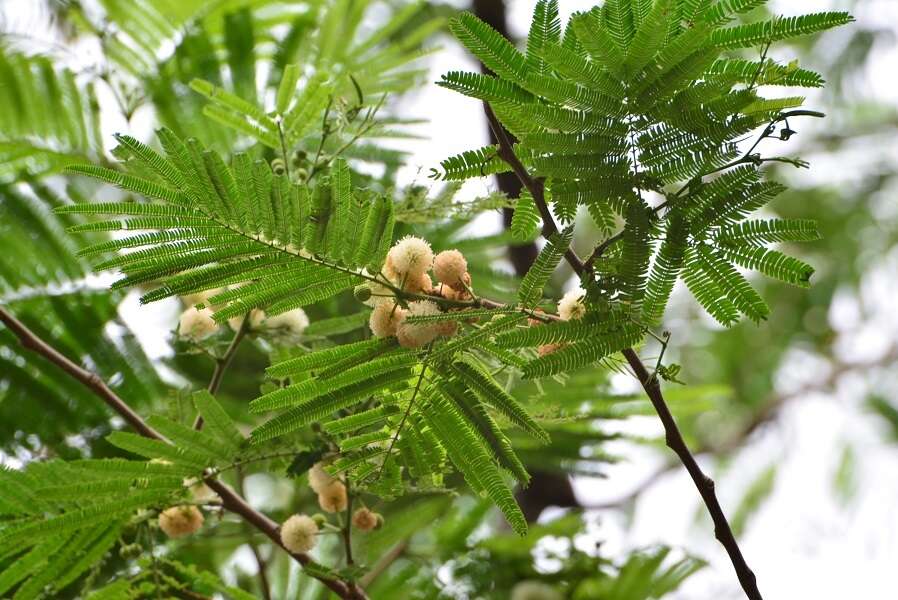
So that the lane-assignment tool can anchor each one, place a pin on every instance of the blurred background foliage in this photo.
(73, 71)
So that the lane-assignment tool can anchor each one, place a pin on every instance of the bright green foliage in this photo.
(63, 517)
(532, 286)
(232, 225)
(525, 221)
(637, 113)
(640, 102)
(49, 119)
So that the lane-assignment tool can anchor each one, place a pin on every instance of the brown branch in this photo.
(230, 500)
(703, 483)
(650, 384)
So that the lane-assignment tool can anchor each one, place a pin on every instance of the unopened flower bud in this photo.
(364, 520)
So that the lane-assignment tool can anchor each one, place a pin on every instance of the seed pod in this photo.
(362, 292)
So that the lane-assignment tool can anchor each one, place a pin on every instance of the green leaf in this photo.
(489, 46)
(526, 219)
(490, 392)
(780, 28)
(471, 458)
(531, 289)
(217, 421)
(665, 270)
(325, 405)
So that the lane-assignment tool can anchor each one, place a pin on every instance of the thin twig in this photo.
(703, 483)
(384, 563)
(230, 500)
(283, 146)
(222, 364)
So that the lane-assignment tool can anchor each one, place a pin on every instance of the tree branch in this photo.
(675, 441)
(230, 500)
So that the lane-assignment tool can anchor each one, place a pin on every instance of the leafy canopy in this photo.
(637, 111)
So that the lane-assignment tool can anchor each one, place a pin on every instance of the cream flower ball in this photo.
(179, 521)
(256, 317)
(450, 266)
(571, 306)
(410, 257)
(298, 533)
(460, 291)
(415, 335)
(364, 520)
(419, 285)
(385, 319)
(196, 325)
(286, 328)
(333, 498)
(319, 478)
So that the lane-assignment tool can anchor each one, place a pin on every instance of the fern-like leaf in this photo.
(531, 289)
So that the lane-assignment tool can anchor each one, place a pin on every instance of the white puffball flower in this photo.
(196, 325)
(385, 319)
(571, 306)
(179, 521)
(411, 257)
(256, 317)
(298, 533)
(530, 589)
(319, 478)
(450, 266)
(415, 335)
(286, 328)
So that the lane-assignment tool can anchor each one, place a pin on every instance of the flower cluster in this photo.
(331, 492)
(332, 498)
(197, 324)
(365, 519)
(407, 268)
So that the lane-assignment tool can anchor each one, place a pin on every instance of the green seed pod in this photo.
(129, 551)
(299, 158)
(278, 166)
(362, 292)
